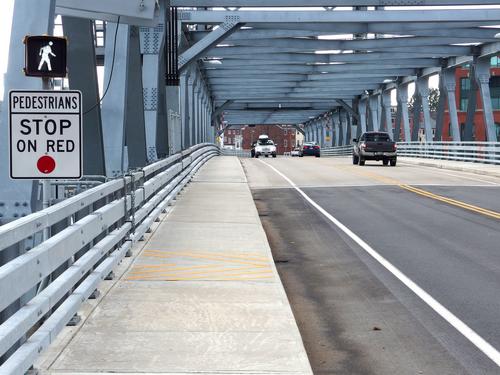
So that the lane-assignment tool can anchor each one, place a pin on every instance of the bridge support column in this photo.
(362, 116)
(336, 126)
(192, 110)
(185, 106)
(438, 135)
(82, 75)
(344, 124)
(402, 96)
(471, 103)
(349, 126)
(373, 103)
(482, 75)
(422, 87)
(152, 65)
(449, 84)
(121, 119)
(386, 123)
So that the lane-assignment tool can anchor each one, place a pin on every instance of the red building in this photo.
(282, 135)
(463, 85)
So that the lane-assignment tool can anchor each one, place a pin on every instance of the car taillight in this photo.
(316, 147)
(306, 147)
(363, 145)
(395, 147)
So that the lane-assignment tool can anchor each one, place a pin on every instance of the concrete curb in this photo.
(452, 167)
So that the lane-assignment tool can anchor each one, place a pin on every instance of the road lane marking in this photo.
(446, 314)
(428, 194)
(453, 202)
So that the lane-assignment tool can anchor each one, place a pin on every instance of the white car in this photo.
(265, 147)
(295, 152)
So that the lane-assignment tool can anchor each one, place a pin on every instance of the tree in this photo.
(433, 100)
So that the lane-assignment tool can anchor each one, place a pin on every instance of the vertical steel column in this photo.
(20, 198)
(402, 96)
(482, 74)
(153, 59)
(386, 121)
(440, 112)
(422, 87)
(185, 107)
(471, 103)
(344, 125)
(362, 116)
(417, 105)
(192, 109)
(349, 126)
(373, 103)
(82, 75)
(114, 103)
(449, 84)
(135, 132)
(336, 120)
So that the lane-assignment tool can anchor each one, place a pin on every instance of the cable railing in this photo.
(235, 152)
(89, 234)
(336, 151)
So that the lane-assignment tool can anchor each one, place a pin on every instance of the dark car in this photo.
(310, 149)
(374, 146)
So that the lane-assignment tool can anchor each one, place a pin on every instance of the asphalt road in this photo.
(440, 228)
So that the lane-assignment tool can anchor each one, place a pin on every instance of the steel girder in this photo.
(282, 58)
(321, 3)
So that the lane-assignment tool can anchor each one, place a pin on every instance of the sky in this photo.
(6, 7)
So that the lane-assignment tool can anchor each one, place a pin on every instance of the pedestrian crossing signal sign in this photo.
(45, 56)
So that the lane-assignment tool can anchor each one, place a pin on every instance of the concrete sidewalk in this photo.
(203, 296)
(477, 168)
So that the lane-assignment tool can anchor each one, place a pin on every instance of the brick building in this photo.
(283, 135)
(462, 93)
(233, 138)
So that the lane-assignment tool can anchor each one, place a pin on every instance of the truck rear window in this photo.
(377, 138)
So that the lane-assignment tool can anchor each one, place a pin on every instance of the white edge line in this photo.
(446, 314)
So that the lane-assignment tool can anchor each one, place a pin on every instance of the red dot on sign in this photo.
(46, 164)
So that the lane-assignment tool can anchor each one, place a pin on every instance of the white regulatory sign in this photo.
(45, 130)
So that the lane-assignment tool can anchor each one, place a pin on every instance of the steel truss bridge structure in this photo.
(176, 73)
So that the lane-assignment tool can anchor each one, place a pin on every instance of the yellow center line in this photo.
(428, 194)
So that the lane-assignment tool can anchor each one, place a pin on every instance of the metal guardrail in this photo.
(55, 277)
(233, 152)
(477, 152)
(337, 151)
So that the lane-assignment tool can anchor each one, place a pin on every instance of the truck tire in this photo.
(361, 161)
(393, 162)
(385, 161)
(355, 160)
(274, 155)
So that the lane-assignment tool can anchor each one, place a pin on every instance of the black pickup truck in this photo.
(374, 146)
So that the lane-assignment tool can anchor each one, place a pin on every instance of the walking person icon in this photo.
(46, 52)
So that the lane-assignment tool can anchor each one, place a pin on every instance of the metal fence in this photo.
(233, 152)
(478, 152)
(100, 227)
(337, 151)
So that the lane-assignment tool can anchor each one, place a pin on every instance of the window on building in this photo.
(495, 92)
(495, 62)
(464, 93)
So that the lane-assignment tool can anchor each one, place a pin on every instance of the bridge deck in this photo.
(203, 295)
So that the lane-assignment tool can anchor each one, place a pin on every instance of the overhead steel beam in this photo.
(221, 109)
(133, 12)
(321, 3)
(441, 15)
(217, 35)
